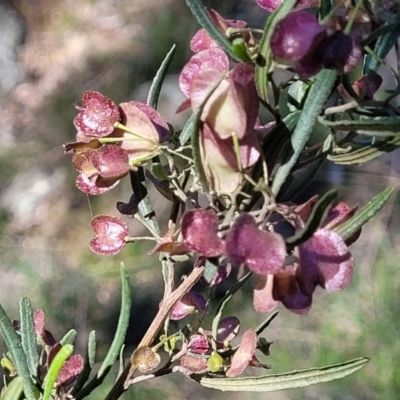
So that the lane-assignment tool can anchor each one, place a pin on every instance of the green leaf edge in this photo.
(14, 346)
(367, 153)
(119, 337)
(88, 365)
(54, 370)
(264, 57)
(382, 48)
(28, 335)
(317, 216)
(69, 337)
(351, 226)
(185, 135)
(156, 85)
(299, 183)
(225, 300)
(373, 127)
(122, 326)
(13, 390)
(200, 13)
(288, 380)
(316, 99)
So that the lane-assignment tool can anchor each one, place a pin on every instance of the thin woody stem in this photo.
(125, 380)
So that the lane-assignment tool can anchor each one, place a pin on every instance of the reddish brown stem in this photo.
(125, 379)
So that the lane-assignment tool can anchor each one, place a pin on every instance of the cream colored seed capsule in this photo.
(145, 359)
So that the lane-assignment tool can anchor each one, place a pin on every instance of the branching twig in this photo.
(125, 380)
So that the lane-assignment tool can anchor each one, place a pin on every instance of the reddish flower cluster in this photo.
(112, 140)
(322, 260)
(311, 46)
(230, 112)
(225, 190)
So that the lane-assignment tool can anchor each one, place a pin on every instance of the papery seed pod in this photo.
(297, 35)
(145, 359)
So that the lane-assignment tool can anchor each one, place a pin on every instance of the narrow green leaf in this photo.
(293, 187)
(122, 326)
(325, 8)
(289, 380)
(13, 390)
(119, 338)
(316, 99)
(28, 335)
(366, 153)
(92, 347)
(54, 370)
(89, 361)
(14, 346)
(155, 88)
(200, 12)
(264, 57)
(381, 49)
(317, 216)
(378, 32)
(69, 337)
(260, 329)
(228, 296)
(187, 130)
(373, 126)
(351, 226)
(146, 210)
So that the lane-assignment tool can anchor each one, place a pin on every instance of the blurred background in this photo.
(50, 52)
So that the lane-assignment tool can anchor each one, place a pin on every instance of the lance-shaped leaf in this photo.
(203, 18)
(264, 57)
(69, 337)
(351, 226)
(28, 335)
(155, 88)
(389, 126)
(318, 214)
(13, 390)
(88, 365)
(381, 49)
(366, 153)
(316, 99)
(118, 341)
(14, 346)
(226, 299)
(56, 365)
(289, 380)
